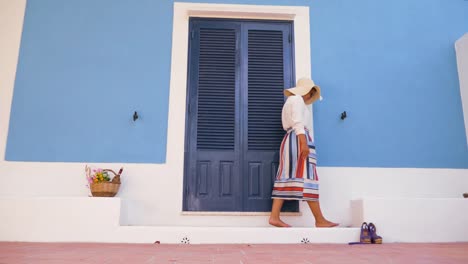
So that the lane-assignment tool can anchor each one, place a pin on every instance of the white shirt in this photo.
(296, 115)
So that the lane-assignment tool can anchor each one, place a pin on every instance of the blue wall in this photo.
(391, 65)
(85, 66)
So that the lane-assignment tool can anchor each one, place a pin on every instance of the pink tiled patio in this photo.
(65, 253)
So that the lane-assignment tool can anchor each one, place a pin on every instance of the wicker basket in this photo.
(104, 189)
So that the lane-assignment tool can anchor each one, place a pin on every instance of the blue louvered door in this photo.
(237, 73)
(213, 125)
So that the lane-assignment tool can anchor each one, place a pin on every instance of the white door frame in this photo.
(179, 60)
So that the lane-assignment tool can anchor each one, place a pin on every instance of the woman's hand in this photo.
(304, 148)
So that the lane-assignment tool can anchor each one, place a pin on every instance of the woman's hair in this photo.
(312, 90)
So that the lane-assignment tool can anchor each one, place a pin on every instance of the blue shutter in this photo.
(265, 85)
(216, 89)
(212, 181)
(268, 70)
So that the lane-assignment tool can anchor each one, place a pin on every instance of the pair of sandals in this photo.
(369, 234)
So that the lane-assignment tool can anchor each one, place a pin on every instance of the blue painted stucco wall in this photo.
(86, 65)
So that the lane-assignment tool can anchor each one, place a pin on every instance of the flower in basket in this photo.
(100, 183)
(100, 176)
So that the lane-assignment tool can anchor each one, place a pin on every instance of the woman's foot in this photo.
(278, 223)
(325, 223)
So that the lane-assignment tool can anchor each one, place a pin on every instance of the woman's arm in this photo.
(304, 148)
(297, 116)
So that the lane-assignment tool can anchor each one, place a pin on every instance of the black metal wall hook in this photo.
(135, 116)
(343, 115)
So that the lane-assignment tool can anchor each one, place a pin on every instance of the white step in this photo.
(236, 235)
(414, 220)
(68, 219)
(58, 218)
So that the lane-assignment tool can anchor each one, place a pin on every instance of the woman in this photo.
(297, 175)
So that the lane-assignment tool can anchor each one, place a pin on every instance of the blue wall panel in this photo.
(391, 65)
(86, 65)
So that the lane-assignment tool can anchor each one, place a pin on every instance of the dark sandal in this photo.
(375, 239)
(365, 237)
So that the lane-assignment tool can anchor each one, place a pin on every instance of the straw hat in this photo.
(303, 86)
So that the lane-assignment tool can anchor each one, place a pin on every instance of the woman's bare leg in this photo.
(320, 220)
(275, 214)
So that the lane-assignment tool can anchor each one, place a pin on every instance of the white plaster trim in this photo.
(461, 48)
(11, 26)
(178, 83)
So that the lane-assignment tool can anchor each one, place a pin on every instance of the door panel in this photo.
(267, 70)
(216, 181)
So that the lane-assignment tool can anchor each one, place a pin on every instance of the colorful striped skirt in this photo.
(297, 177)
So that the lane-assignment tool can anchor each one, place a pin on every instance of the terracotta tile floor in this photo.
(65, 253)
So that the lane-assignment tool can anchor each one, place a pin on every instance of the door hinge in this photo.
(192, 34)
(289, 38)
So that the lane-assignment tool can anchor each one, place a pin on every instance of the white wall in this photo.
(152, 193)
(11, 24)
(461, 47)
(415, 220)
